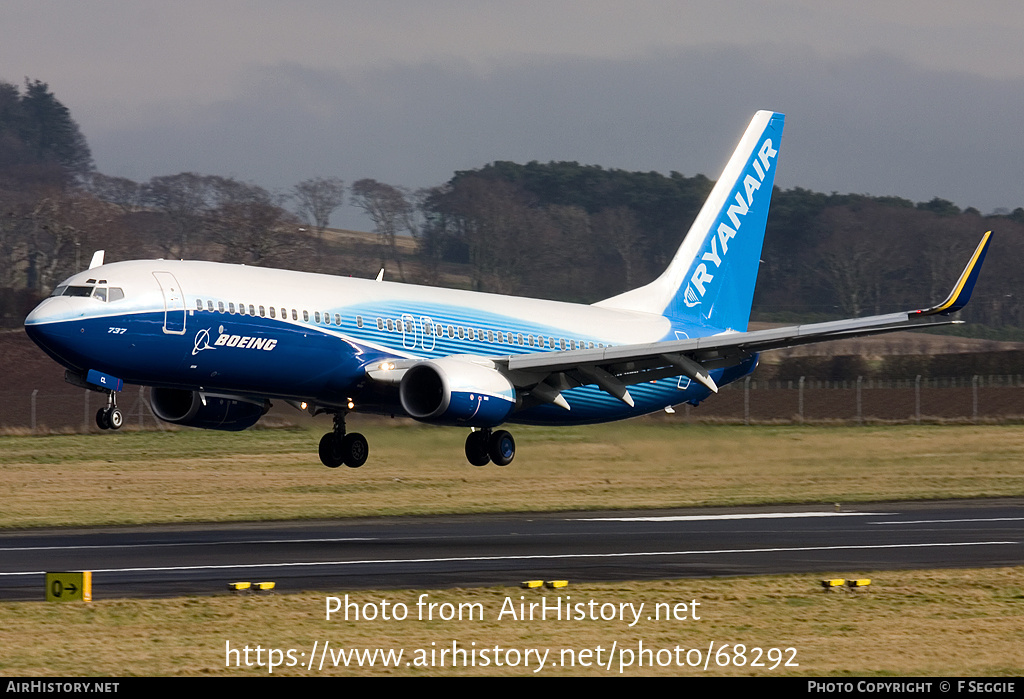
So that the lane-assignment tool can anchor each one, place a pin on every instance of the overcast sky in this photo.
(915, 98)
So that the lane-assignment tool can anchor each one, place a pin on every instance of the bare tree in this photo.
(618, 226)
(186, 200)
(120, 191)
(251, 223)
(317, 199)
(392, 213)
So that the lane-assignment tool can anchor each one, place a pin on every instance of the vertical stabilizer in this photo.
(711, 278)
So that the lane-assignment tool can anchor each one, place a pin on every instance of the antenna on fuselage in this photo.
(380, 275)
(97, 259)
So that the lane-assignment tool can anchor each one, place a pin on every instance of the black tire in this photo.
(502, 448)
(330, 451)
(476, 449)
(355, 449)
(102, 421)
(115, 419)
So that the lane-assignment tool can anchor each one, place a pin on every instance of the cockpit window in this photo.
(100, 293)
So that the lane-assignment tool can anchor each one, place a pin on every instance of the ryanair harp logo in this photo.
(712, 259)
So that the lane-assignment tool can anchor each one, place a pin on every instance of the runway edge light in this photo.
(833, 583)
(239, 586)
(861, 582)
(264, 586)
(557, 583)
(531, 584)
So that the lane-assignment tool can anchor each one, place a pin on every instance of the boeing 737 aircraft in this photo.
(217, 342)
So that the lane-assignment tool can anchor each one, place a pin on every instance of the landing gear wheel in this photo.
(330, 451)
(115, 419)
(355, 449)
(102, 420)
(476, 449)
(502, 448)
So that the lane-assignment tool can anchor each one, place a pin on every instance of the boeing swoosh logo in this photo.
(202, 342)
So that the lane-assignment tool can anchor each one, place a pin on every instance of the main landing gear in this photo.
(337, 448)
(110, 417)
(484, 446)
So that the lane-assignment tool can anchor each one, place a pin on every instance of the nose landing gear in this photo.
(110, 418)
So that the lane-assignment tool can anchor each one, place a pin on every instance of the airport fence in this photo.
(977, 399)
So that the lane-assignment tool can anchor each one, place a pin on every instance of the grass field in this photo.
(191, 475)
(949, 622)
(917, 623)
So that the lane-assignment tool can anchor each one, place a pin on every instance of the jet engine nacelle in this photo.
(211, 411)
(457, 392)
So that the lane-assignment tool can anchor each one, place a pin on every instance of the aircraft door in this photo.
(684, 381)
(428, 333)
(174, 303)
(409, 331)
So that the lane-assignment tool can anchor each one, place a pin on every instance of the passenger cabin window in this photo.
(199, 304)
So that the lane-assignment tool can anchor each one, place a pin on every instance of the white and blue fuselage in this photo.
(312, 338)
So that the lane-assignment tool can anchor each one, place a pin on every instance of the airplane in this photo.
(217, 342)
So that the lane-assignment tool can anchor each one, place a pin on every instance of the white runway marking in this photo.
(765, 515)
(955, 521)
(85, 547)
(538, 557)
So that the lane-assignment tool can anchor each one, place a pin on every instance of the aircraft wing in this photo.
(546, 374)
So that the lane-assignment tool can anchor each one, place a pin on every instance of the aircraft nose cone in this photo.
(42, 327)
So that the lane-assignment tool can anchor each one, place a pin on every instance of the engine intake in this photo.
(457, 392)
(211, 411)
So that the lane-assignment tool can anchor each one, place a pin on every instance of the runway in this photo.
(465, 550)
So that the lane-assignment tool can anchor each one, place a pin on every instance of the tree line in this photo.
(556, 230)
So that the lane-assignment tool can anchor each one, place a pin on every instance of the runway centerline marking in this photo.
(534, 557)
